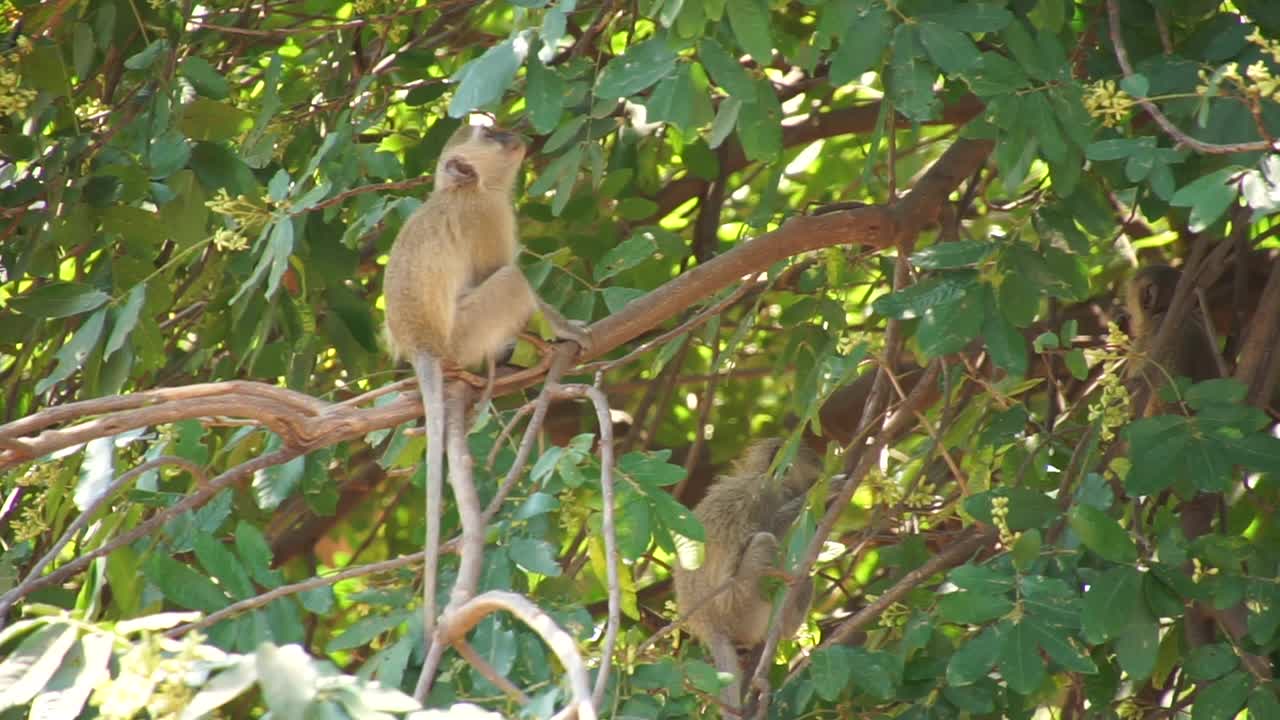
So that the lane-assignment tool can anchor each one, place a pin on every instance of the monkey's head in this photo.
(484, 157)
(1149, 294)
(803, 472)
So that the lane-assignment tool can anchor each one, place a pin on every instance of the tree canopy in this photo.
(896, 231)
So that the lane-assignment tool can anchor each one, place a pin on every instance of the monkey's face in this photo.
(1148, 294)
(485, 156)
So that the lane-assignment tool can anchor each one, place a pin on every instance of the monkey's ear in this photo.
(460, 170)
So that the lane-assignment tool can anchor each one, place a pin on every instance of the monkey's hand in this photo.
(565, 329)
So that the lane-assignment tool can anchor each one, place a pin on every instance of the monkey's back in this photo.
(733, 511)
(455, 239)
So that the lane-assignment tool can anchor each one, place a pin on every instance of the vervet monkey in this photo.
(1147, 300)
(454, 293)
(745, 516)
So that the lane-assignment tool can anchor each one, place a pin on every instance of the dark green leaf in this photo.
(1210, 662)
(1027, 508)
(204, 77)
(973, 608)
(976, 17)
(949, 49)
(829, 668)
(1222, 699)
(950, 255)
(974, 659)
(642, 65)
(1136, 647)
(863, 44)
(1020, 662)
(916, 300)
(1112, 599)
(750, 22)
(1208, 197)
(1102, 535)
(725, 69)
(59, 299)
(484, 79)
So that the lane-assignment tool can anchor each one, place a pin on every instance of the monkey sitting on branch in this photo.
(455, 295)
(745, 515)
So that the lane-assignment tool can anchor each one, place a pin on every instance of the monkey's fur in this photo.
(454, 293)
(745, 516)
(1147, 300)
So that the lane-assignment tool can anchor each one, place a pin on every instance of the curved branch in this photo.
(458, 623)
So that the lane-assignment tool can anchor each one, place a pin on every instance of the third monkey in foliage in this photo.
(745, 515)
(1147, 300)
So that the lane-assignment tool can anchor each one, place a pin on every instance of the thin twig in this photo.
(490, 673)
(1173, 131)
(608, 525)
(149, 526)
(25, 587)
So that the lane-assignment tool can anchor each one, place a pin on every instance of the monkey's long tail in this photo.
(431, 385)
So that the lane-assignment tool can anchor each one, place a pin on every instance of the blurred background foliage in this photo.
(193, 193)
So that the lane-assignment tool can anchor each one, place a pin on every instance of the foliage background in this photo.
(199, 194)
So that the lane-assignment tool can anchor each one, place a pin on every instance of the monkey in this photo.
(745, 516)
(454, 293)
(1147, 300)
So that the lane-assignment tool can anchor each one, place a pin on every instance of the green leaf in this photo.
(183, 585)
(26, 670)
(829, 668)
(641, 246)
(221, 565)
(726, 120)
(534, 555)
(1137, 646)
(977, 17)
(1208, 197)
(863, 44)
(974, 659)
(81, 669)
(749, 20)
(1113, 597)
(1059, 647)
(983, 579)
(874, 672)
(949, 49)
(672, 100)
(59, 299)
(616, 298)
(72, 355)
(213, 120)
(760, 123)
(1027, 508)
(1101, 534)
(642, 65)
(545, 92)
(915, 300)
(973, 608)
(1156, 448)
(125, 319)
(949, 327)
(1020, 662)
(147, 57)
(1026, 550)
(910, 78)
(1223, 699)
(1005, 343)
(1263, 704)
(1210, 662)
(1117, 148)
(725, 69)
(484, 79)
(950, 255)
(204, 77)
